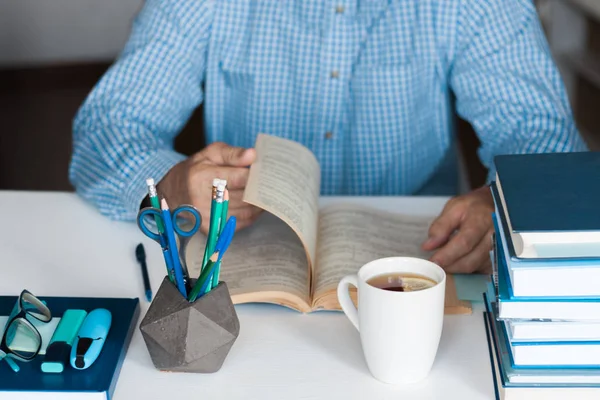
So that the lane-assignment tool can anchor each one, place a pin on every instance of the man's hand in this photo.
(462, 233)
(190, 182)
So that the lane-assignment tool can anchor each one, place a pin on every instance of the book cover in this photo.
(538, 307)
(547, 277)
(516, 375)
(551, 192)
(100, 378)
(544, 259)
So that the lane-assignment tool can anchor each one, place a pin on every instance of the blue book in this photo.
(551, 203)
(526, 307)
(581, 355)
(99, 380)
(544, 277)
(511, 382)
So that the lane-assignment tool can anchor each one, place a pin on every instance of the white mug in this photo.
(399, 331)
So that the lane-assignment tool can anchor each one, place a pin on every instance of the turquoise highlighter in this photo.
(90, 338)
(59, 348)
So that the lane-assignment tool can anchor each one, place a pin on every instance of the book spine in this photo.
(126, 343)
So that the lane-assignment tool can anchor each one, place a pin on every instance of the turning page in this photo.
(352, 235)
(265, 263)
(285, 180)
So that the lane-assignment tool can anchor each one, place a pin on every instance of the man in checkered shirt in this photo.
(366, 85)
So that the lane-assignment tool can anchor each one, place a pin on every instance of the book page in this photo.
(285, 180)
(264, 263)
(352, 235)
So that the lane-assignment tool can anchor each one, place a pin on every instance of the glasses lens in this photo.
(22, 339)
(34, 307)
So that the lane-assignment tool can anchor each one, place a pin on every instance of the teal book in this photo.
(551, 276)
(564, 356)
(552, 192)
(96, 382)
(550, 203)
(513, 383)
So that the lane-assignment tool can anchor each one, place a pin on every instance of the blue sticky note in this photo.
(470, 287)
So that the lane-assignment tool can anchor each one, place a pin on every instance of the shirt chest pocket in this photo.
(271, 49)
(269, 67)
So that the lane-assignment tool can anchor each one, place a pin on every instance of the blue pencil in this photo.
(172, 243)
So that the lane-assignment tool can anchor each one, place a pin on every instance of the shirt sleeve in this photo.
(506, 83)
(124, 131)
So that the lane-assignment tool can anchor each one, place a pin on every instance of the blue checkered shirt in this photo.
(367, 85)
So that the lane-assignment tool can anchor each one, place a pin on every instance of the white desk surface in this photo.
(54, 244)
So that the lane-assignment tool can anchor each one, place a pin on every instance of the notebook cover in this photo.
(498, 342)
(506, 242)
(500, 337)
(99, 377)
(552, 191)
(504, 289)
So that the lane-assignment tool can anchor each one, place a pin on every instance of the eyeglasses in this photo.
(20, 339)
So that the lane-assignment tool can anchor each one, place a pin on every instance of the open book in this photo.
(296, 254)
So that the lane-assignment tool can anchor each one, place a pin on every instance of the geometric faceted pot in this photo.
(190, 337)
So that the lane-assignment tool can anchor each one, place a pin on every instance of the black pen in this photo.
(140, 254)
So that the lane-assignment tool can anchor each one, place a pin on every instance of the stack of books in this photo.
(543, 302)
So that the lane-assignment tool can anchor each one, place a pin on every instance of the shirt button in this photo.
(328, 135)
(339, 9)
(335, 74)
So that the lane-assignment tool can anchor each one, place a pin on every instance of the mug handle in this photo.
(343, 293)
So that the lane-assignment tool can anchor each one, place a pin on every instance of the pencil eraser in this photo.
(90, 338)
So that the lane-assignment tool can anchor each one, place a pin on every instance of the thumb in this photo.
(223, 154)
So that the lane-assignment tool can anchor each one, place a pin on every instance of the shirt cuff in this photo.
(156, 167)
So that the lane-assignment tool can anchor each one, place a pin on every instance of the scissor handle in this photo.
(142, 224)
(197, 220)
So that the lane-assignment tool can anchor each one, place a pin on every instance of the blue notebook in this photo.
(548, 308)
(551, 192)
(100, 379)
(542, 260)
(507, 375)
(542, 355)
(544, 277)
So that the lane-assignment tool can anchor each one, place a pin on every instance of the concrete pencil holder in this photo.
(190, 337)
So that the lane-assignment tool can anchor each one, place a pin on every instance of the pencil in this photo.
(215, 278)
(172, 244)
(211, 232)
(225, 208)
(204, 279)
(153, 195)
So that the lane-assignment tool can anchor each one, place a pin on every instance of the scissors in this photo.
(179, 223)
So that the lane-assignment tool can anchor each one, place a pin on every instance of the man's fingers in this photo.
(236, 198)
(478, 260)
(202, 177)
(468, 236)
(444, 225)
(220, 153)
(247, 213)
(244, 216)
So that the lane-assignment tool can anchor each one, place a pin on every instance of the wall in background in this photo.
(34, 32)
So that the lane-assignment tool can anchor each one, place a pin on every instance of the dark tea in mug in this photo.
(402, 282)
